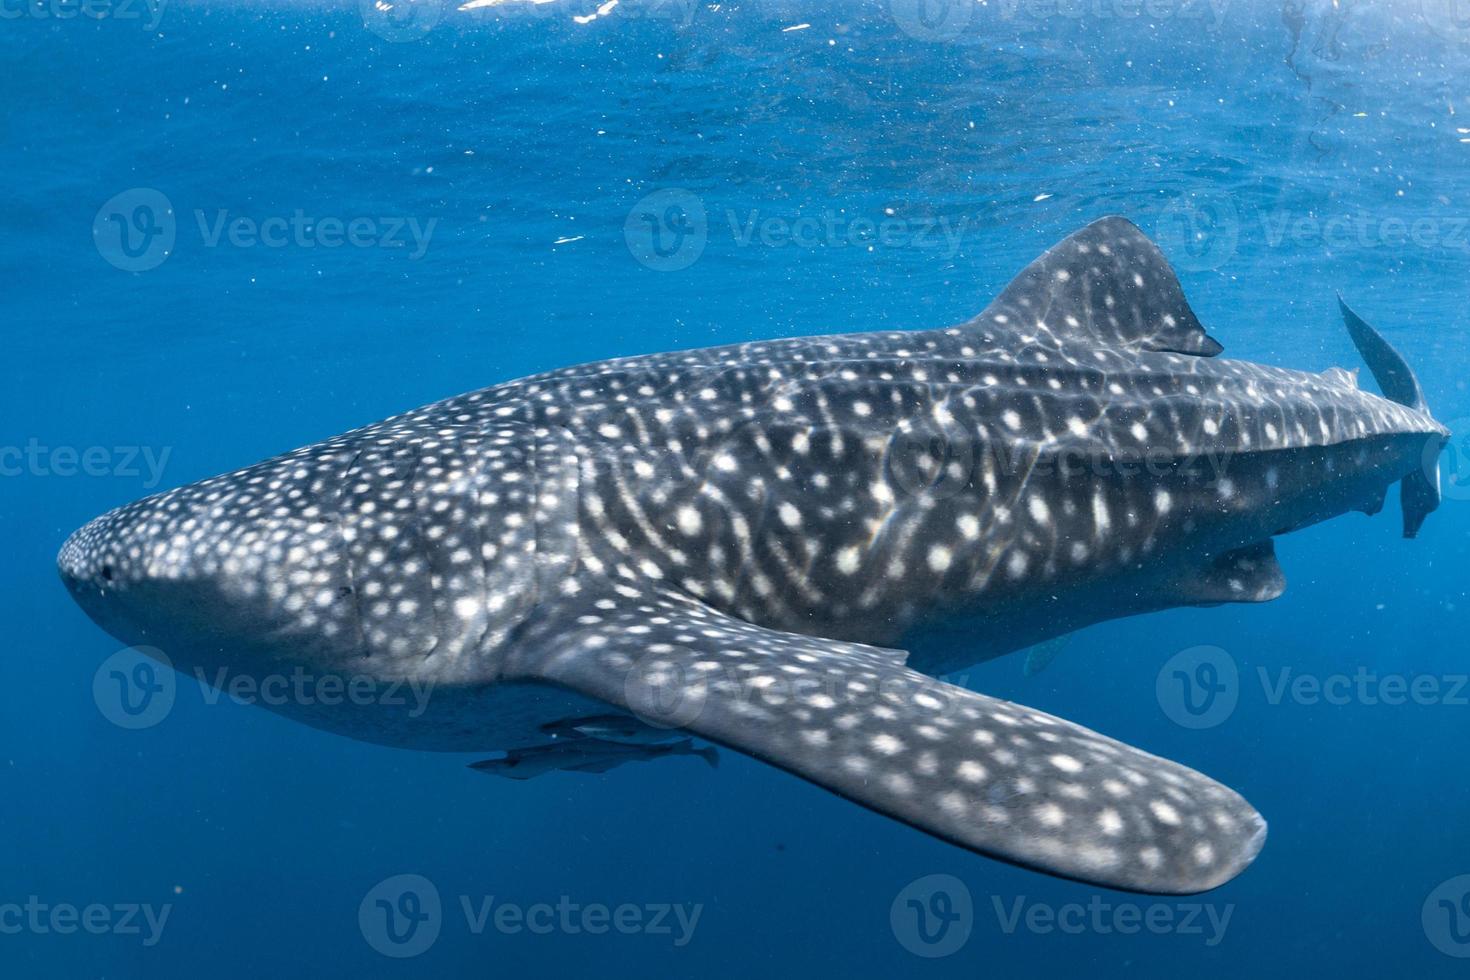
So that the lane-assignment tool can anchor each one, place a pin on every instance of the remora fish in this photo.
(611, 728)
(587, 755)
(726, 540)
(1039, 657)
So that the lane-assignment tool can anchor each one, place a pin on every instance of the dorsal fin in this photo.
(1393, 374)
(1107, 285)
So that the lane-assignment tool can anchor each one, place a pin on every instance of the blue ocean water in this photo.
(236, 228)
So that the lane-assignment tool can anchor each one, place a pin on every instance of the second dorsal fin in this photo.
(1106, 285)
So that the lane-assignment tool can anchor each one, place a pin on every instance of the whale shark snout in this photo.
(210, 575)
(100, 570)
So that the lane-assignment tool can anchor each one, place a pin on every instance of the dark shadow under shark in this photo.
(732, 542)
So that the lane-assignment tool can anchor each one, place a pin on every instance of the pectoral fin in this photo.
(992, 776)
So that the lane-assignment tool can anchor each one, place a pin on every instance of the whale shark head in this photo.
(212, 566)
(406, 543)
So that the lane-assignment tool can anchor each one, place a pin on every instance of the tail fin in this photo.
(1419, 491)
(709, 754)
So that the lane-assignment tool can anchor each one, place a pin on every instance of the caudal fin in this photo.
(1419, 491)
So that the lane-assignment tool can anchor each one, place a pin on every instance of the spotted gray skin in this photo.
(726, 540)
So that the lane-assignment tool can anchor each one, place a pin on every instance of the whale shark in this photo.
(779, 546)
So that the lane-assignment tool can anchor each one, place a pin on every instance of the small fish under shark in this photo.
(1040, 657)
(595, 744)
(610, 728)
(777, 546)
(588, 755)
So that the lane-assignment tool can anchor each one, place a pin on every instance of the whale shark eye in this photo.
(107, 572)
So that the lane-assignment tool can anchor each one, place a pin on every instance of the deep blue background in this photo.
(518, 127)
